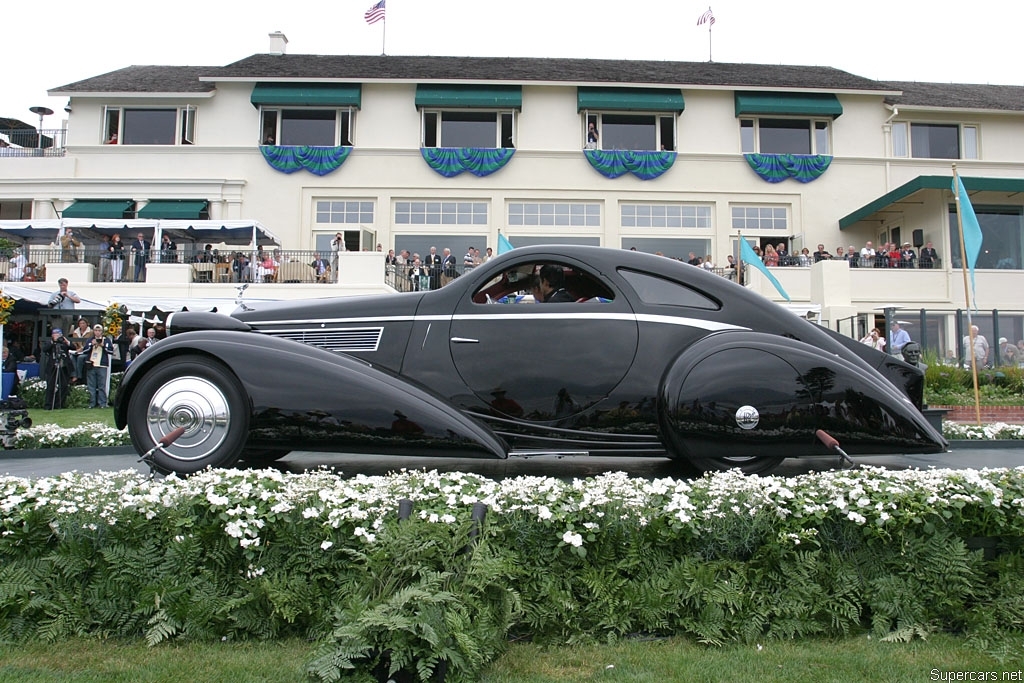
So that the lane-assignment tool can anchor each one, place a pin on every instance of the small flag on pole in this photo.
(747, 255)
(375, 13)
(707, 18)
(503, 244)
(971, 227)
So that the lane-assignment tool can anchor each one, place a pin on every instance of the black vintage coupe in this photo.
(650, 357)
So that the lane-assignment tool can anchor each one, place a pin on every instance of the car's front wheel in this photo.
(201, 396)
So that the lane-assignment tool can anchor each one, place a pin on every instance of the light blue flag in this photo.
(971, 228)
(747, 255)
(503, 244)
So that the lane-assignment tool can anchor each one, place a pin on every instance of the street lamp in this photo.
(42, 111)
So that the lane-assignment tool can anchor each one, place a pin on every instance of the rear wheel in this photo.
(199, 394)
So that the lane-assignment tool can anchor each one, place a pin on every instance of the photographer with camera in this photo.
(55, 367)
(63, 300)
(97, 367)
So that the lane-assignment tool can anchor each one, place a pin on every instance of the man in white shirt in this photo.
(867, 256)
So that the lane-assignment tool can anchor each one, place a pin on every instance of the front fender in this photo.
(306, 398)
(737, 394)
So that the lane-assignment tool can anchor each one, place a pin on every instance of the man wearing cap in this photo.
(907, 256)
(1008, 353)
(97, 365)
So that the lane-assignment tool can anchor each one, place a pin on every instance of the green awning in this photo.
(629, 99)
(307, 94)
(931, 182)
(788, 104)
(480, 96)
(174, 208)
(99, 208)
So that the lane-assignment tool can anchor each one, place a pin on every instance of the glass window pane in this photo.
(784, 136)
(821, 137)
(932, 141)
(747, 145)
(621, 131)
(149, 126)
(315, 127)
(970, 142)
(469, 129)
(899, 140)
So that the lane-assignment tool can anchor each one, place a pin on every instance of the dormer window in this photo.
(309, 114)
(468, 116)
(629, 118)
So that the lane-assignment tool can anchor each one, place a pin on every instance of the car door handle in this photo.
(464, 340)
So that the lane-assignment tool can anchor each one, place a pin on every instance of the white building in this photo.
(410, 152)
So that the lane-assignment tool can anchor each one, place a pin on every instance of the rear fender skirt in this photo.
(738, 394)
(306, 398)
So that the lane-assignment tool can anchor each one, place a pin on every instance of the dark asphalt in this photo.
(963, 455)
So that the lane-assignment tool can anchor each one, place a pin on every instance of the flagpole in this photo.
(967, 296)
(383, 36)
(709, 39)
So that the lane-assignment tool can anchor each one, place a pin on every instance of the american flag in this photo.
(707, 18)
(375, 13)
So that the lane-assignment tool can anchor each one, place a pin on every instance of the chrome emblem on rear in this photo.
(747, 417)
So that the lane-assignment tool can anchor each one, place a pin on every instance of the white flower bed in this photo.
(251, 501)
(51, 436)
(996, 430)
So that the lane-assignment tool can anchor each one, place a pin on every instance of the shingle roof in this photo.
(958, 96)
(153, 79)
(527, 69)
(515, 70)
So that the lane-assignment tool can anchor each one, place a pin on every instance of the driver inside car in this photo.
(551, 285)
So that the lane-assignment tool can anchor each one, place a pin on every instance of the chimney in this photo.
(278, 43)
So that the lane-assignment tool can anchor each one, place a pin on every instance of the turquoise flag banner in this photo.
(747, 255)
(503, 244)
(971, 228)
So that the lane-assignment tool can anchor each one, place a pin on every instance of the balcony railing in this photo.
(27, 142)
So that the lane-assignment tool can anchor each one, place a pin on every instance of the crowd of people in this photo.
(435, 269)
(887, 255)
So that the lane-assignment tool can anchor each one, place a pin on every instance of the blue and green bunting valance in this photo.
(480, 161)
(316, 160)
(645, 165)
(777, 167)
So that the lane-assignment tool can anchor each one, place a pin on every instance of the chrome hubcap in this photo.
(196, 404)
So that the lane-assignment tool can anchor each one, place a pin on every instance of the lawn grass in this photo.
(71, 417)
(631, 661)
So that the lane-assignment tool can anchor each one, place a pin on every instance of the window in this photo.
(664, 216)
(934, 140)
(1002, 232)
(441, 213)
(759, 218)
(485, 129)
(785, 136)
(306, 126)
(150, 126)
(344, 212)
(554, 213)
(631, 131)
(656, 290)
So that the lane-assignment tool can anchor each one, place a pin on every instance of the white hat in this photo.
(1002, 340)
